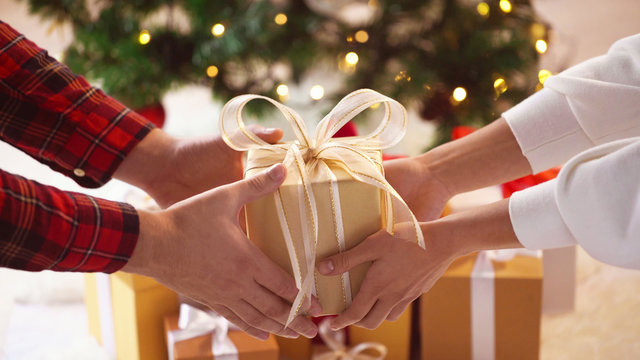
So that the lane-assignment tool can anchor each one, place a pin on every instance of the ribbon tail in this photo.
(483, 308)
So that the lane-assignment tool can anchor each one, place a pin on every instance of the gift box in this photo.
(294, 349)
(394, 335)
(362, 213)
(334, 196)
(486, 306)
(125, 313)
(335, 346)
(205, 335)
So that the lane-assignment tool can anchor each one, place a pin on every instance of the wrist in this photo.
(144, 166)
(152, 241)
(486, 227)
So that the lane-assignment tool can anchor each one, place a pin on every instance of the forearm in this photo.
(486, 157)
(483, 228)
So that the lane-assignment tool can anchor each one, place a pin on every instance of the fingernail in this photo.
(291, 334)
(315, 311)
(310, 333)
(326, 267)
(269, 130)
(276, 172)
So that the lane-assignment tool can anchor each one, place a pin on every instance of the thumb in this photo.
(262, 184)
(347, 260)
(270, 135)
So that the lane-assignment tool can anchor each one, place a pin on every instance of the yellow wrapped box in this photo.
(361, 206)
(486, 306)
(126, 314)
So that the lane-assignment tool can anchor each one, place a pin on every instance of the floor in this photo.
(42, 315)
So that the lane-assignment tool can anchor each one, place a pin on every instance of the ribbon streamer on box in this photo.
(483, 300)
(308, 158)
(335, 340)
(194, 322)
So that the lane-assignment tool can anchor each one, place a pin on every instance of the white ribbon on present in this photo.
(483, 314)
(308, 159)
(194, 322)
(335, 340)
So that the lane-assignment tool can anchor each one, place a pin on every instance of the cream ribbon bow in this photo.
(194, 322)
(307, 159)
(336, 342)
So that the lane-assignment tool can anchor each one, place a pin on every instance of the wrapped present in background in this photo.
(486, 306)
(334, 195)
(335, 346)
(125, 313)
(394, 335)
(197, 334)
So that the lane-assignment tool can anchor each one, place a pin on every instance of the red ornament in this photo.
(154, 113)
(461, 131)
(349, 129)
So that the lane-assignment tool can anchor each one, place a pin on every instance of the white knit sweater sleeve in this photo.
(595, 201)
(589, 104)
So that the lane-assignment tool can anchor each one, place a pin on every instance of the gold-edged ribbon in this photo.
(310, 159)
(338, 350)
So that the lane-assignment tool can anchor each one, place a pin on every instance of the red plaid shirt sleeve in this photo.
(60, 120)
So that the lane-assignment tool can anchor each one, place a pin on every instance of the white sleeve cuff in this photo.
(536, 219)
(546, 130)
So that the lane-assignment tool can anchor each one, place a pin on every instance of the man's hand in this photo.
(197, 248)
(171, 169)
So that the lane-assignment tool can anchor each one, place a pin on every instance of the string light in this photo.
(541, 46)
(505, 6)
(316, 92)
(537, 30)
(500, 86)
(459, 94)
(144, 37)
(212, 71)
(349, 39)
(280, 19)
(483, 9)
(351, 58)
(362, 36)
(282, 90)
(543, 75)
(217, 30)
(402, 75)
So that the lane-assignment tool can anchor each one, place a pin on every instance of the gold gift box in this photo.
(394, 335)
(199, 347)
(138, 305)
(362, 207)
(445, 311)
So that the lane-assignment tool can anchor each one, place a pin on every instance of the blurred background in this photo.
(451, 63)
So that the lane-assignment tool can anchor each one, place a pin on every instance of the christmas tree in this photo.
(461, 62)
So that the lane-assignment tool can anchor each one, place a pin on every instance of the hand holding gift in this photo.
(197, 248)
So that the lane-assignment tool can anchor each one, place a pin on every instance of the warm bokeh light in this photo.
(212, 71)
(282, 90)
(483, 9)
(280, 19)
(543, 75)
(505, 6)
(217, 30)
(459, 94)
(500, 85)
(144, 37)
(541, 46)
(362, 36)
(538, 31)
(351, 58)
(316, 92)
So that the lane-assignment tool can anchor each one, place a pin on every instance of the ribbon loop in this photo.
(308, 159)
(335, 340)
